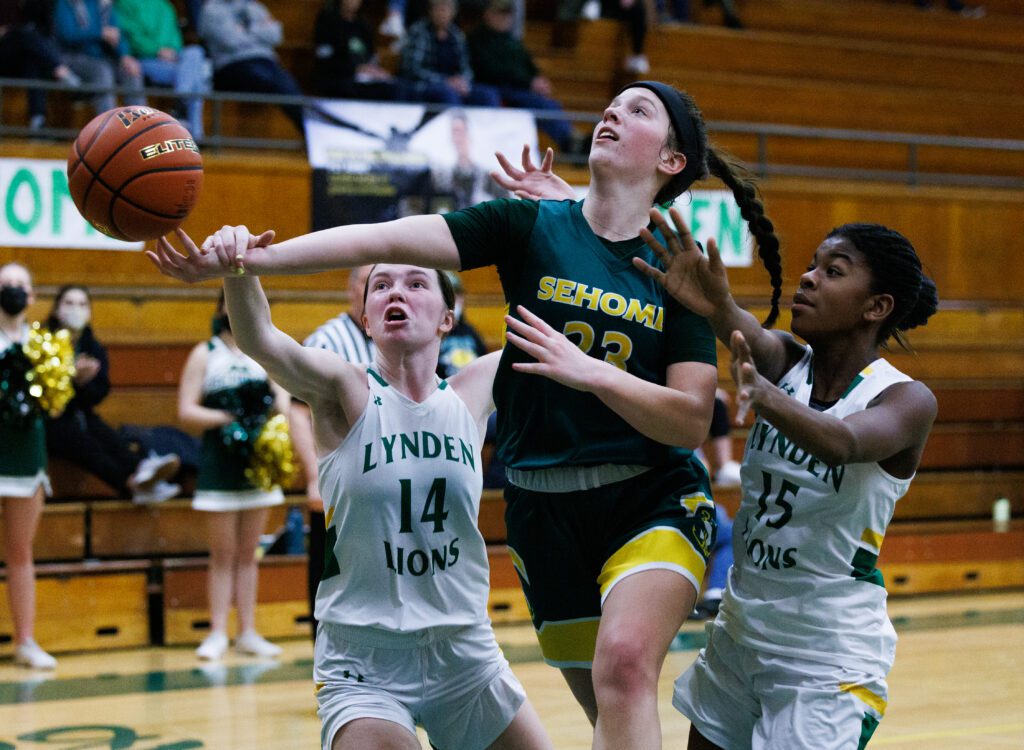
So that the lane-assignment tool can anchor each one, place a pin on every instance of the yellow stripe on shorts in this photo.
(654, 548)
(518, 564)
(569, 643)
(872, 537)
(877, 702)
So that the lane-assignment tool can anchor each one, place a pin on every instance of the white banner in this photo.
(36, 209)
(713, 214)
(353, 135)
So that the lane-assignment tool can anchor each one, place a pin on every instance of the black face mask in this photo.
(219, 324)
(13, 299)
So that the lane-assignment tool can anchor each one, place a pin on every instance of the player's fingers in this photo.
(529, 347)
(507, 166)
(527, 160)
(187, 243)
(689, 244)
(534, 320)
(642, 265)
(264, 239)
(549, 160)
(655, 244)
(523, 330)
(671, 246)
(714, 257)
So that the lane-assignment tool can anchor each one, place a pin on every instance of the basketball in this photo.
(134, 173)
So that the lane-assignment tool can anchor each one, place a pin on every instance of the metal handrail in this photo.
(763, 166)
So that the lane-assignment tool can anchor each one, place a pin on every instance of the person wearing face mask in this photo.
(228, 397)
(23, 477)
(79, 434)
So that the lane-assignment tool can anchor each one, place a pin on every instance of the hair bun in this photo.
(926, 305)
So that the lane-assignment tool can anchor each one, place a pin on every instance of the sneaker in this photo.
(213, 647)
(153, 469)
(637, 64)
(393, 25)
(30, 655)
(728, 475)
(591, 10)
(156, 494)
(36, 122)
(254, 644)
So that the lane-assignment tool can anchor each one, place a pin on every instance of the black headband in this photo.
(681, 121)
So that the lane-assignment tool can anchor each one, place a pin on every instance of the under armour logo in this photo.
(348, 676)
(377, 401)
(788, 388)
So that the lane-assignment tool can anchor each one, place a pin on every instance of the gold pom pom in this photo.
(272, 462)
(52, 357)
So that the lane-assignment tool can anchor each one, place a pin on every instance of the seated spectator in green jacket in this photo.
(151, 29)
(501, 60)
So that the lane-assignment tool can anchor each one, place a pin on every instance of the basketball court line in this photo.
(38, 687)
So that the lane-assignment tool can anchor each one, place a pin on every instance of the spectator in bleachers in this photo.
(23, 478)
(463, 343)
(346, 64)
(957, 6)
(344, 335)
(79, 434)
(151, 29)
(240, 36)
(228, 397)
(27, 50)
(435, 61)
(501, 60)
(678, 11)
(89, 32)
(634, 14)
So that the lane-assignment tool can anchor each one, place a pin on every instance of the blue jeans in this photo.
(441, 93)
(261, 75)
(187, 75)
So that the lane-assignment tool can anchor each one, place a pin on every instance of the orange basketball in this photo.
(135, 173)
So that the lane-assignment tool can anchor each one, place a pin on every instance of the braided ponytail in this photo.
(752, 210)
(703, 160)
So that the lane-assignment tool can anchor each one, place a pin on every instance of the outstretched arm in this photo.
(700, 283)
(416, 240)
(677, 413)
(891, 431)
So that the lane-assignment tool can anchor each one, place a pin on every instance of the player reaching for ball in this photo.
(404, 637)
(134, 173)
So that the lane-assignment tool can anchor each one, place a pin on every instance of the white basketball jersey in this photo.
(806, 540)
(402, 496)
(226, 368)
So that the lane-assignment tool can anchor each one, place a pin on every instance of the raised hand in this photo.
(749, 383)
(532, 182)
(557, 357)
(698, 282)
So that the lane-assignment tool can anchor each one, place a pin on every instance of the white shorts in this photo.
(454, 682)
(25, 486)
(739, 698)
(225, 501)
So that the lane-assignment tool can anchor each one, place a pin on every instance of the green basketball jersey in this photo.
(551, 262)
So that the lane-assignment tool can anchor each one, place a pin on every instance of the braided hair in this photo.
(712, 161)
(896, 271)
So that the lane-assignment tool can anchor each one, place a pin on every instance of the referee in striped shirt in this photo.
(345, 336)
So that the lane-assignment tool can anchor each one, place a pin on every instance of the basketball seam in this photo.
(96, 173)
(117, 195)
(81, 155)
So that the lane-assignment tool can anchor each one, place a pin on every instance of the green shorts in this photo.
(571, 548)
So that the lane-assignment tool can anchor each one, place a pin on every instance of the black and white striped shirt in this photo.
(342, 336)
